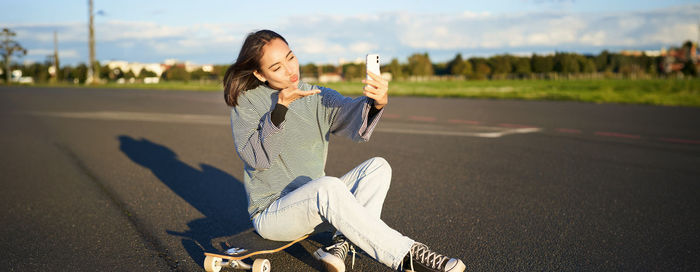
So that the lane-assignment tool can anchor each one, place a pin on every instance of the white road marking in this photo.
(460, 133)
(143, 116)
(474, 131)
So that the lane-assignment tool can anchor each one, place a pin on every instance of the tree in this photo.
(460, 67)
(687, 48)
(116, 73)
(566, 63)
(482, 70)
(602, 61)
(441, 69)
(328, 68)
(689, 68)
(130, 74)
(200, 74)
(9, 48)
(541, 64)
(219, 71)
(500, 65)
(309, 70)
(420, 65)
(103, 71)
(354, 71)
(521, 66)
(395, 69)
(147, 73)
(177, 72)
(79, 73)
(38, 71)
(588, 65)
(621, 64)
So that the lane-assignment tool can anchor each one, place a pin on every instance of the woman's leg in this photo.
(329, 199)
(369, 183)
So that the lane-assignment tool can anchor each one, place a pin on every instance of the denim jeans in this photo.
(352, 204)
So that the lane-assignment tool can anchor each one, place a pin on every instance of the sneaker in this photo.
(421, 259)
(334, 255)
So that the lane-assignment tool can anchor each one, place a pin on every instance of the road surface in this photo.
(137, 180)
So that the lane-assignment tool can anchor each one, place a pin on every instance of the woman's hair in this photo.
(239, 76)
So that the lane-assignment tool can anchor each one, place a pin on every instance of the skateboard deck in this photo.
(243, 246)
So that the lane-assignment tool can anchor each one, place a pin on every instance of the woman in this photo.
(281, 128)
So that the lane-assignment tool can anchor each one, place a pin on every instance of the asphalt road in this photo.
(133, 180)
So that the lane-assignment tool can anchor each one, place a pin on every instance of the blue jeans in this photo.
(352, 204)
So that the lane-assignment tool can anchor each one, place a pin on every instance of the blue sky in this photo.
(325, 31)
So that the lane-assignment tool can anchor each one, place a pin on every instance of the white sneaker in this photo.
(421, 259)
(333, 256)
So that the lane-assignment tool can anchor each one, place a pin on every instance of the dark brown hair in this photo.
(239, 76)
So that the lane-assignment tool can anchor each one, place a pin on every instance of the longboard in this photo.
(243, 246)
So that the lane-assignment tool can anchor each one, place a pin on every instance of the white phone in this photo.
(372, 63)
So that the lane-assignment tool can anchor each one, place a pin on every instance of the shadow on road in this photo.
(220, 197)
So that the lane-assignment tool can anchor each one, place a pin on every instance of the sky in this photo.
(211, 32)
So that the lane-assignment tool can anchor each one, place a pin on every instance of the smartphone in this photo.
(372, 63)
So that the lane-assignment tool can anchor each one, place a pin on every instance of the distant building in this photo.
(653, 53)
(675, 59)
(151, 80)
(633, 53)
(330, 77)
(387, 76)
(136, 67)
(16, 76)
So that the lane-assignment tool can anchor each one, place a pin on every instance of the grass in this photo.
(668, 92)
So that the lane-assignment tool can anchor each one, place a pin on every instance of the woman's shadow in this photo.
(220, 197)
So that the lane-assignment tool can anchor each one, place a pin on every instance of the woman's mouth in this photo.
(294, 78)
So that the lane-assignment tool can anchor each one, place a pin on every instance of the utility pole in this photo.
(694, 48)
(55, 55)
(92, 76)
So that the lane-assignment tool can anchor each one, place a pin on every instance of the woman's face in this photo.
(278, 66)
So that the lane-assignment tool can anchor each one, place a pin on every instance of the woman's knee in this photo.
(329, 184)
(383, 166)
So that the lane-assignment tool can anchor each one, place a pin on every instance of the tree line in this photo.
(419, 66)
(559, 64)
(505, 66)
(77, 74)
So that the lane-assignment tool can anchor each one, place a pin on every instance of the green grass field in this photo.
(669, 92)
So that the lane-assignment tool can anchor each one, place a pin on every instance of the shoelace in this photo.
(427, 257)
(341, 248)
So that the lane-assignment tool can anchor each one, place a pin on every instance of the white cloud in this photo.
(475, 15)
(595, 38)
(362, 47)
(67, 54)
(317, 46)
(679, 31)
(43, 53)
(326, 38)
(39, 52)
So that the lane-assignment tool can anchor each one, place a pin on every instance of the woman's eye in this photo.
(291, 57)
(276, 69)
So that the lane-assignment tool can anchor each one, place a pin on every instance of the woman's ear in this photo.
(259, 76)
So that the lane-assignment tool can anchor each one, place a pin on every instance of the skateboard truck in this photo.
(215, 264)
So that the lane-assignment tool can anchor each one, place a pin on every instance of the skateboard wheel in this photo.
(261, 265)
(212, 264)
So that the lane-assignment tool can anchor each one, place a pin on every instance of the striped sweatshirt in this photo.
(279, 159)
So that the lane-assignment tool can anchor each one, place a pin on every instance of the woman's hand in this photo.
(288, 95)
(378, 89)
